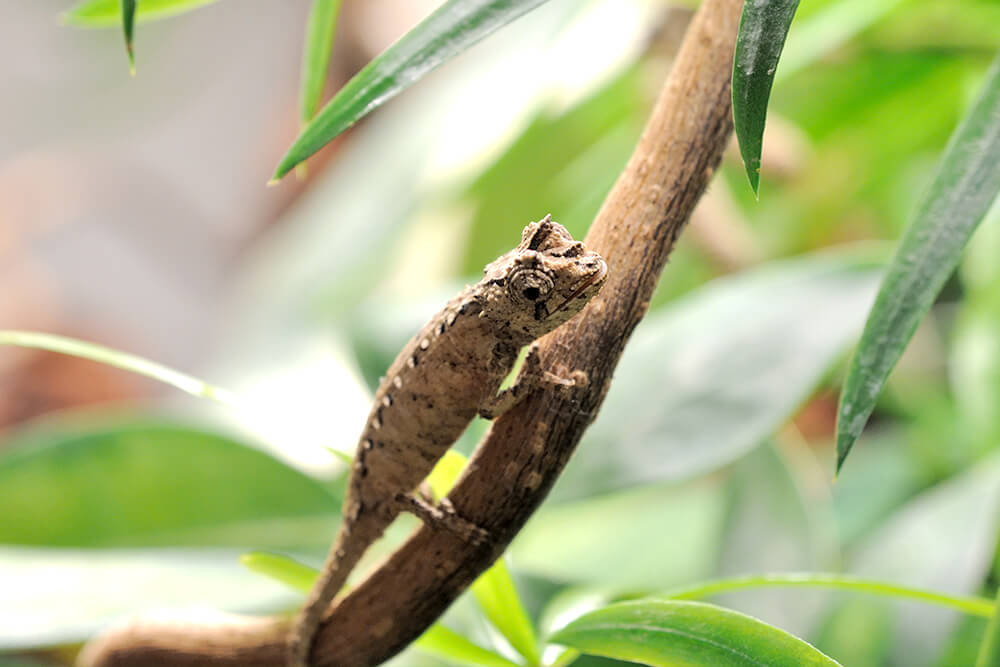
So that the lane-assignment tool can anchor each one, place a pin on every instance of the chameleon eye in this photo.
(529, 286)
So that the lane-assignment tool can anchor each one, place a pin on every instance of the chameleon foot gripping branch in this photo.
(446, 375)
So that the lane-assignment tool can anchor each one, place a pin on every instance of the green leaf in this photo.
(676, 633)
(451, 29)
(763, 28)
(745, 352)
(128, 25)
(288, 571)
(453, 647)
(989, 650)
(145, 482)
(105, 13)
(118, 359)
(966, 185)
(320, 28)
(497, 597)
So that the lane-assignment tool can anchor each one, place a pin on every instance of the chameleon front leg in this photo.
(531, 376)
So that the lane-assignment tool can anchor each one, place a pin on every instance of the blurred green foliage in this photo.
(714, 453)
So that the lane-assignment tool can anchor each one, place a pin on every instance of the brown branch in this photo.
(525, 451)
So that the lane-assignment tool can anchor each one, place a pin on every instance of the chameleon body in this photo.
(446, 375)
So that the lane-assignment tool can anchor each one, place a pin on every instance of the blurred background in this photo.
(134, 213)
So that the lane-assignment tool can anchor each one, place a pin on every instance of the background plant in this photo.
(694, 447)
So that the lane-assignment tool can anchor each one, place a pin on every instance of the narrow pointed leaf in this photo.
(450, 30)
(966, 185)
(675, 633)
(128, 25)
(320, 28)
(497, 597)
(763, 28)
(106, 13)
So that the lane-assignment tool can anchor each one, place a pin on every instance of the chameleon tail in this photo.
(353, 540)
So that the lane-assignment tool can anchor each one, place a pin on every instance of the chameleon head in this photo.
(547, 279)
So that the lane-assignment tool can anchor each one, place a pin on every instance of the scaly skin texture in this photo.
(449, 372)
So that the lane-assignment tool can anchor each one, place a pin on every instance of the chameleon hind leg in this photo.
(442, 516)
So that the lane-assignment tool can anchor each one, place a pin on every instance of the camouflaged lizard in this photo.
(446, 375)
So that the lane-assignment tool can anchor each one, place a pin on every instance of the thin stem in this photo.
(975, 606)
(130, 362)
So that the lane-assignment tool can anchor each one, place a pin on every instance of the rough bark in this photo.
(527, 448)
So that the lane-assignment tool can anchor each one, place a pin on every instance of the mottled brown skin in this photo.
(446, 375)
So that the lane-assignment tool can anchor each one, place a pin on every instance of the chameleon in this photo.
(448, 373)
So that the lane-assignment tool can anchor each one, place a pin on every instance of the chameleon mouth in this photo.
(595, 278)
